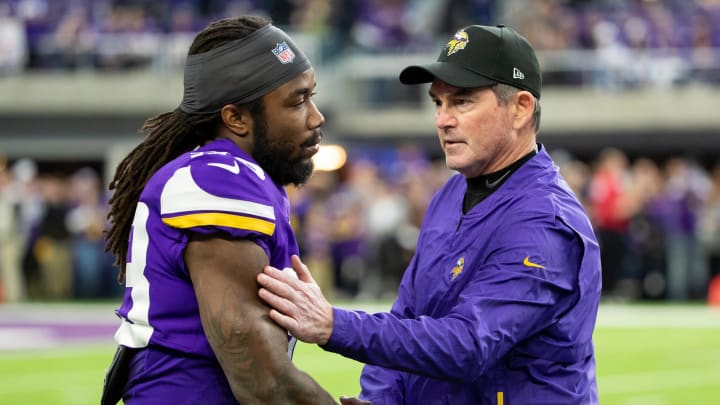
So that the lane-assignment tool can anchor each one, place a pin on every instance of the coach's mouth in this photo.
(450, 143)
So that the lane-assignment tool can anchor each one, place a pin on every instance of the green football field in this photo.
(646, 354)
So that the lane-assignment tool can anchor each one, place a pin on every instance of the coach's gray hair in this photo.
(504, 93)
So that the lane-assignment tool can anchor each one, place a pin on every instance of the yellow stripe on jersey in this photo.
(500, 398)
(220, 219)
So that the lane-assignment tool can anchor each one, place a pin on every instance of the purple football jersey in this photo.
(217, 188)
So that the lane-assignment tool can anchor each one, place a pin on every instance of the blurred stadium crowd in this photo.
(632, 41)
(658, 224)
(657, 217)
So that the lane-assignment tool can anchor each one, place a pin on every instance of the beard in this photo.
(276, 159)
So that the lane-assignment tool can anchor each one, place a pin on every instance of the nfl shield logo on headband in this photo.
(283, 52)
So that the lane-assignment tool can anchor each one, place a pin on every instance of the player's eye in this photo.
(305, 98)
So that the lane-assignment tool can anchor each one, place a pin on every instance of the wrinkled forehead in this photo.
(440, 88)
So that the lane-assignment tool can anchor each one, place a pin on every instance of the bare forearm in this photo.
(250, 347)
(292, 387)
(253, 354)
(296, 387)
(259, 375)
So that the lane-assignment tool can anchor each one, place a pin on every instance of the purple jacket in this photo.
(497, 306)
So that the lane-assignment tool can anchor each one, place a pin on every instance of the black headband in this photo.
(241, 71)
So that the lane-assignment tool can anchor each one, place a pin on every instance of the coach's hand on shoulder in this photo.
(299, 305)
(353, 401)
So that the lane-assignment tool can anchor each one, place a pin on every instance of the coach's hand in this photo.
(353, 401)
(299, 305)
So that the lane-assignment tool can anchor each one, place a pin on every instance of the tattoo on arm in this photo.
(251, 348)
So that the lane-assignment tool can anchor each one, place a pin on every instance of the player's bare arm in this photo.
(299, 305)
(251, 348)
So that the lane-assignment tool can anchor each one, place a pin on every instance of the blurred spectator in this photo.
(577, 174)
(72, 44)
(382, 25)
(452, 14)
(179, 33)
(615, 61)
(647, 239)
(128, 38)
(348, 234)
(312, 224)
(703, 49)
(93, 273)
(13, 42)
(338, 37)
(610, 213)
(20, 199)
(710, 224)
(310, 16)
(48, 262)
(386, 213)
(686, 191)
(11, 283)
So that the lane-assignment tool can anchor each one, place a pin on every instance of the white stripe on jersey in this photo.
(182, 194)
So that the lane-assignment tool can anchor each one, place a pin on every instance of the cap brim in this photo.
(447, 72)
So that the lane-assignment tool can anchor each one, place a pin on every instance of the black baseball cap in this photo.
(481, 56)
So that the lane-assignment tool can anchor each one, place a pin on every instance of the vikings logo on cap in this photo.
(457, 43)
(283, 52)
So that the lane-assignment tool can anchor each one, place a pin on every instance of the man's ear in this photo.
(524, 108)
(236, 119)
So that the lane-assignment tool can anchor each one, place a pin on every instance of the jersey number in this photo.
(137, 332)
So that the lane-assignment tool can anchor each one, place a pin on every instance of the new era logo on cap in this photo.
(517, 74)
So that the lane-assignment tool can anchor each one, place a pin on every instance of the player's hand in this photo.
(353, 401)
(299, 305)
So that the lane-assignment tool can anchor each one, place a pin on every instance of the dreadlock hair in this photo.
(168, 135)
